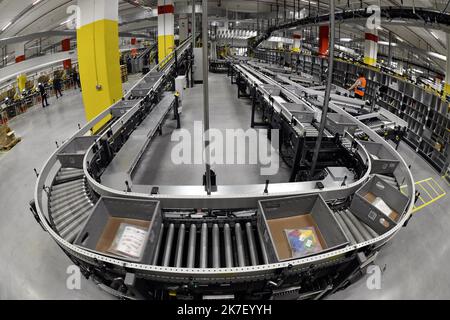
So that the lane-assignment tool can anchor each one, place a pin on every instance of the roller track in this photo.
(70, 203)
(215, 245)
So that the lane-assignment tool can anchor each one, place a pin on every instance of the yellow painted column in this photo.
(166, 38)
(98, 56)
(371, 47)
(21, 81)
(447, 69)
(297, 42)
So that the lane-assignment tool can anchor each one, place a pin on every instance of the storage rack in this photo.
(427, 114)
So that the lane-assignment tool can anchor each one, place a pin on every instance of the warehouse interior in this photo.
(241, 150)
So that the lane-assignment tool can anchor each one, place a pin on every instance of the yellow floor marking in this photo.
(426, 191)
(430, 182)
(437, 193)
(421, 199)
(424, 180)
(428, 203)
(443, 191)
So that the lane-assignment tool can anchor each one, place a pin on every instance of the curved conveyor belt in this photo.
(216, 252)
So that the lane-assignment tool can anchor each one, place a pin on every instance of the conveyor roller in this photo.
(168, 246)
(219, 245)
(228, 246)
(204, 246)
(70, 203)
(180, 245)
(191, 248)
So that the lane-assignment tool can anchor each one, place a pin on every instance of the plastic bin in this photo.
(338, 123)
(153, 77)
(302, 112)
(72, 155)
(122, 107)
(277, 215)
(382, 160)
(109, 213)
(362, 204)
(142, 89)
(271, 89)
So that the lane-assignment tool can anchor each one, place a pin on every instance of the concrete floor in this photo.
(226, 112)
(32, 266)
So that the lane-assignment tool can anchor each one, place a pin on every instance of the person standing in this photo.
(43, 93)
(76, 79)
(359, 86)
(57, 85)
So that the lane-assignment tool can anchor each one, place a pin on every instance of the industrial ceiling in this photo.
(30, 16)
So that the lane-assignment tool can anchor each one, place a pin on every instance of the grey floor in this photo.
(33, 267)
(226, 112)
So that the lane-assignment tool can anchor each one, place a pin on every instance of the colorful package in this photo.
(303, 241)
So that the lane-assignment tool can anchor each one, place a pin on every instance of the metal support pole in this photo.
(206, 94)
(278, 13)
(193, 25)
(193, 42)
(258, 32)
(390, 49)
(327, 91)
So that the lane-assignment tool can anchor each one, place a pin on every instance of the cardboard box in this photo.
(383, 161)
(379, 220)
(72, 155)
(109, 213)
(277, 215)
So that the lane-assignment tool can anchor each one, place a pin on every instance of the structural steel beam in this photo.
(389, 15)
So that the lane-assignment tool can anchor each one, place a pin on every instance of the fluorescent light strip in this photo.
(6, 26)
(385, 43)
(437, 55)
(434, 35)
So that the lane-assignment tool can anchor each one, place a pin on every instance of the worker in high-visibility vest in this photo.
(359, 86)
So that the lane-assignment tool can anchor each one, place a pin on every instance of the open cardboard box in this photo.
(383, 161)
(277, 215)
(379, 220)
(392, 214)
(72, 155)
(109, 213)
(338, 123)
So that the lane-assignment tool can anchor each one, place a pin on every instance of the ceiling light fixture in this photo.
(36, 2)
(437, 55)
(6, 26)
(385, 43)
(434, 35)
(65, 22)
